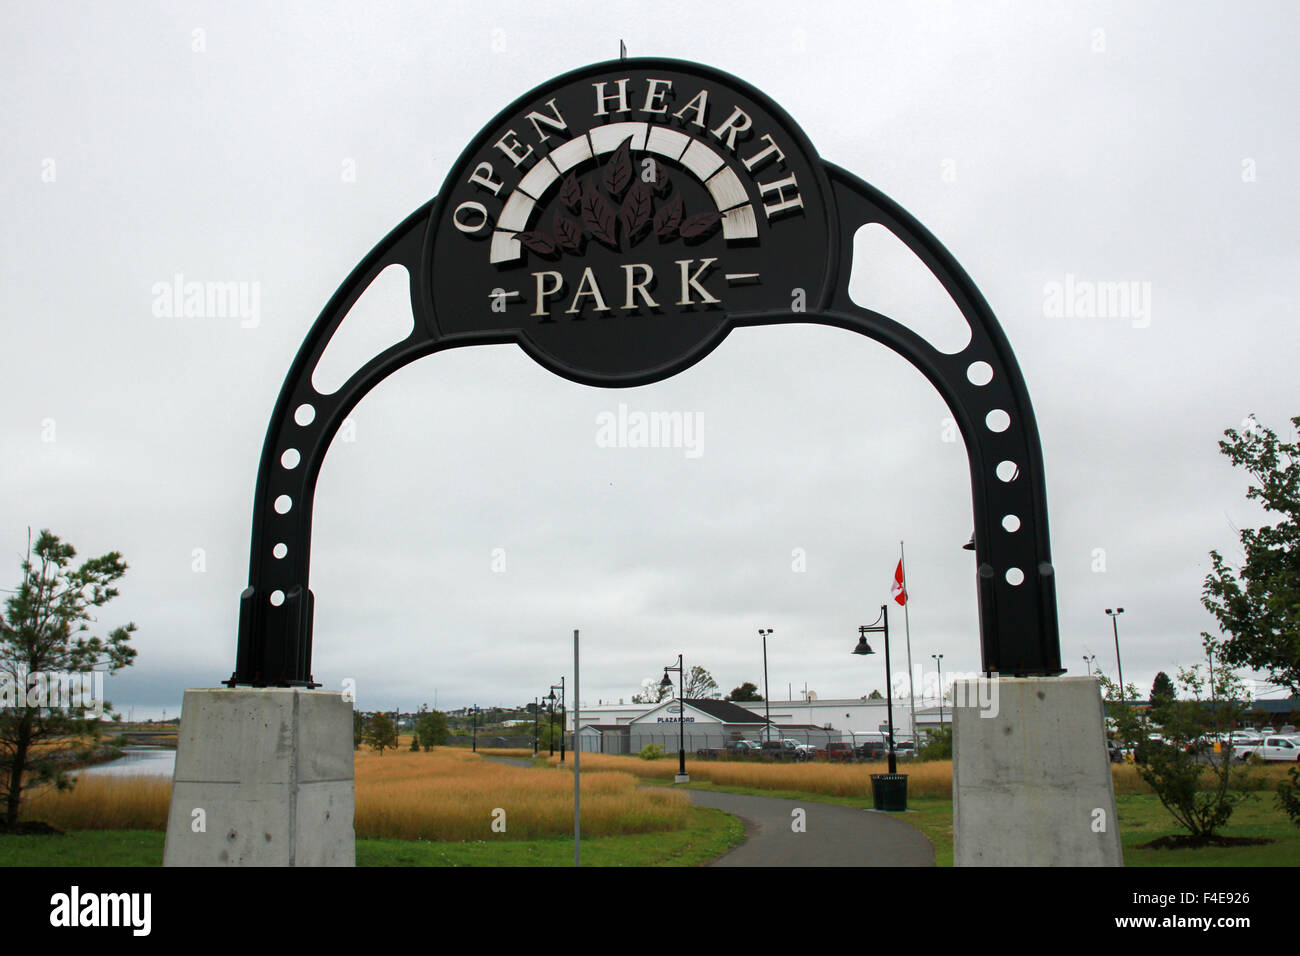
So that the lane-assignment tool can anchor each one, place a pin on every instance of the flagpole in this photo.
(907, 630)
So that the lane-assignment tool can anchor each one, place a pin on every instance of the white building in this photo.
(852, 718)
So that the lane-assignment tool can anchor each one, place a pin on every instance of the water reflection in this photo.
(139, 760)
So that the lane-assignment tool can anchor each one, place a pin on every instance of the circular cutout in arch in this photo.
(1008, 471)
(290, 459)
(1015, 577)
(283, 504)
(979, 373)
(1011, 523)
(997, 420)
(279, 551)
(277, 598)
(304, 414)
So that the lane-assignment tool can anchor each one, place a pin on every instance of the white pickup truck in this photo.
(1270, 748)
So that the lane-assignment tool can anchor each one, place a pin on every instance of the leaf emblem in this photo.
(599, 218)
(635, 214)
(659, 177)
(571, 192)
(668, 218)
(700, 225)
(568, 233)
(618, 174)
(538, 242)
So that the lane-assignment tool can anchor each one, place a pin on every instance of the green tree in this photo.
(358, 729)
(1179, 764)
(699, 684)
(415, 743)
(1162, 690)
(381, 734)
(746, 691)
(652, 692)
(45, 651)
(431, 725)
(1258, 604)
(547, 731)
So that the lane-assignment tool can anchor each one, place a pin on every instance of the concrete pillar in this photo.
(263, 778)
(1031, 779)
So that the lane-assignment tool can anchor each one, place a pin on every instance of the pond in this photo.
(138, 759)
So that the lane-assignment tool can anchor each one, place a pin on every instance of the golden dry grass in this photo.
(451, 794)
(833, 779)
(445, 794)
(924, 779)
(108, 802)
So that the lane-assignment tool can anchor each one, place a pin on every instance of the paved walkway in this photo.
(833, 835)
(512, 761)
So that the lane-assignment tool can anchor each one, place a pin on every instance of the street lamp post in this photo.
(564, 715)
(938, 659)
(550, 718)
(767, 696)
(667, 684)
(1087, 660)
(881, 625)
(1119, 666)
(476, 728)
(537, 710)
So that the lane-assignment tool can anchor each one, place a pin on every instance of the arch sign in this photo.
(616, 224)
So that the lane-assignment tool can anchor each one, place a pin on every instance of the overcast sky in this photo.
(275, 145)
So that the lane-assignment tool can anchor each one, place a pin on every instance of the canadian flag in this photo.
(897, 590)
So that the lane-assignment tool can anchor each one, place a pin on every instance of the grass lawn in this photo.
(709, 834)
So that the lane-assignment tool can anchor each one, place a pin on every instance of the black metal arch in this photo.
(1018, 621)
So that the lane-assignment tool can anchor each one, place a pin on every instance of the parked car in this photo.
(806, 751)
(871, 750)
(736, 748)
(784, 750)
(1272, 749)
(839, 751)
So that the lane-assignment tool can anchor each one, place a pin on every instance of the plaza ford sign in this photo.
(674, 709)
(613, 219)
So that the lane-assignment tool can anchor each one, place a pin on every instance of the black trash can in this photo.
(889, 790)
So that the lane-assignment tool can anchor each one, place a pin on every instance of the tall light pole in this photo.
(881, 625)
(938, 659)
(1087, 660)
(476, 728)
(537, 716)
(667, 684)
(767, 696)
(1119, 666)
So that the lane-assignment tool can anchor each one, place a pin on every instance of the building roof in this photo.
(724, 710)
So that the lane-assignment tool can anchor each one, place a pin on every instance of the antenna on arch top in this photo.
(622, 50)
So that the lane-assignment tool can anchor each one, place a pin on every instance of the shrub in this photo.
(938, 747)
(1288, 795)
(651, 752)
